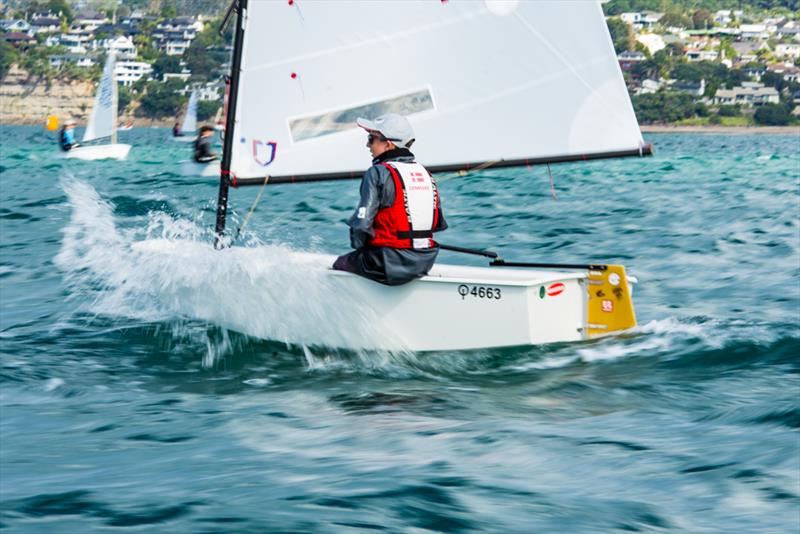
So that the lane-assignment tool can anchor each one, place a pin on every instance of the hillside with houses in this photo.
(700, 67)
(161, 57)
(684, 62)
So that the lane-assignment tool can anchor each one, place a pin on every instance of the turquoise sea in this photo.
(126, 406)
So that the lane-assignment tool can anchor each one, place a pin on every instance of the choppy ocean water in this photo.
(125, 405)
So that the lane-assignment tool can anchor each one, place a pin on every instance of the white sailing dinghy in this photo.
(189, 124)
(189, 130)
(103, 121)
(206, 170)
(485, 84)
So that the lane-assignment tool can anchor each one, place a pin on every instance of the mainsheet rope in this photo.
(252, 207)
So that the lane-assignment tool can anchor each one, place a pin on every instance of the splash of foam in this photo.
(265, 291)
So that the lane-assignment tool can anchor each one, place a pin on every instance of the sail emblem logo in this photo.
(555, 289)
(264, 152)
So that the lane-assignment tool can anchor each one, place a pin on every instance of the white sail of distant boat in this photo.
(103, 121)
(485, 84)
(188, 127)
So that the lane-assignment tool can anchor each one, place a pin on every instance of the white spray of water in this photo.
(266, 291)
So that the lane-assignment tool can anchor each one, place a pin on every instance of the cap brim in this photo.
(367, 124)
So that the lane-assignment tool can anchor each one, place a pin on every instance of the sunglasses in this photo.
(371, 138)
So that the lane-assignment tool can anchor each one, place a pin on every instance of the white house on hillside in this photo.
(174, 36)
(754, 31)
(88, 21)
(791, 50)
(83, 61)
(75, 43)
(697, 54)
(121, 45)
(653, 41)
(16, 26)
(748, 94)
(45, 25)
(129, 72)
(726, 16)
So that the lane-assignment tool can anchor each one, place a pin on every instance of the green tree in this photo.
(702, 19)
(207, 109)
(123, 98)
(621, 34)
(161, 99)
(35, 60)
(663, 107)
(729, 111)
(60, 7)
(676, 19)
(8, 56)
(169, 12)
(736, 77)
(166, 64)
(772, 115)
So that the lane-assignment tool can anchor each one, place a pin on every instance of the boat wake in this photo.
(171, 272)
(168, 272)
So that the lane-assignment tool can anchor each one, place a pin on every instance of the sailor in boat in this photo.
(176, 130)
(66, 137)
(392, 227)
(203, 151)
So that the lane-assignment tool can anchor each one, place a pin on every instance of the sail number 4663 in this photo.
(480, 292)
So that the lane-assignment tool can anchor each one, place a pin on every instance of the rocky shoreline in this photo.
(26, 101)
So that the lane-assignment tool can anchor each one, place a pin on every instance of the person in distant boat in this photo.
(66, 137)
(176, 130)
(203, 152)
(392, 228)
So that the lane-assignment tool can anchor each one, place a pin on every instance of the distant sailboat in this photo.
(189, 125)
(103, 121)
(191, 167)
(486, 84)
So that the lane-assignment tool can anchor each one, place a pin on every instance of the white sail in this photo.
(190, 119)
(103, 120)
(480, 80)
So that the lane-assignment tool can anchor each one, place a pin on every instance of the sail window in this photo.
(345, 119)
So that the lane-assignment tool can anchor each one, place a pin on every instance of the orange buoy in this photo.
(52, 123)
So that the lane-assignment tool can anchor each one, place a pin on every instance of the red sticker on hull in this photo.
(555, 289)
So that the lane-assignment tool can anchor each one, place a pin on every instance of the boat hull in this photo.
(459, 308)
(116, 151)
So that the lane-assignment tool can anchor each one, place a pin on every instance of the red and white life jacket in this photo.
(409, 222)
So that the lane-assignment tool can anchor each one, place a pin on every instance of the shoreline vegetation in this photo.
(694, 128)
(709, 66)
(139, 122)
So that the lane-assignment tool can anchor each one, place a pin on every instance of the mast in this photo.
(114, 101)
(240, 6)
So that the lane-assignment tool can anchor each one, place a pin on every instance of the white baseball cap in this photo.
(392, 126)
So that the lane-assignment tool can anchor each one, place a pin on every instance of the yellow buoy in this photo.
(52, 123)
